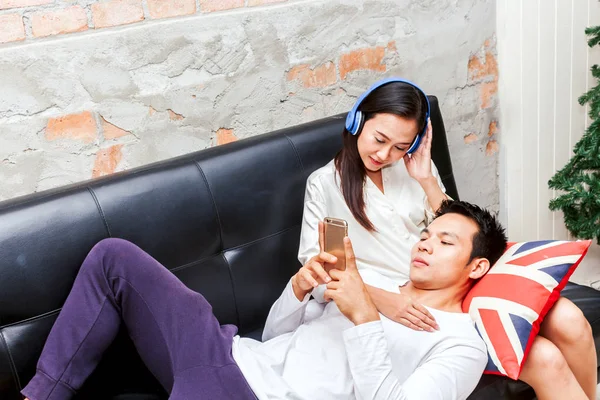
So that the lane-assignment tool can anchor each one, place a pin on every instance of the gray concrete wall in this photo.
(85, 104)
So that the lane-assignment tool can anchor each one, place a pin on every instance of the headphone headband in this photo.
(355, 118)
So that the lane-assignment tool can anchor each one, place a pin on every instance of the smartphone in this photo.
(335, 231)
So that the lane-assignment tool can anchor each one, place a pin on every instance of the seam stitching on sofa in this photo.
(13, 367)
(231, 272)
(212, 197)
(100, 210)
(235, 302)
(241, 246)
(295, 151)
(37, 317)
(191, 264)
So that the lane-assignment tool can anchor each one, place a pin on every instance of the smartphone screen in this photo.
(335, 231)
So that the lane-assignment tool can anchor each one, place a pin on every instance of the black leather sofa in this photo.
(225, 220)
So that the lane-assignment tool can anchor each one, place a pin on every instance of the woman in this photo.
(384, 184)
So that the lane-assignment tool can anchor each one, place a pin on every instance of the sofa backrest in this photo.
(225, 220)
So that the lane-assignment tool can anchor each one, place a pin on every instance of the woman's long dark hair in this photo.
(397, 98)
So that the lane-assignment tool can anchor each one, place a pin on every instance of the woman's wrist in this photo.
(433, 191)
(427, 181)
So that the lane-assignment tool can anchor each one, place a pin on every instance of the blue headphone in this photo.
(355, 118)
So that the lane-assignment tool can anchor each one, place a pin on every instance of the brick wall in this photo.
(32, 19)
(93, 87)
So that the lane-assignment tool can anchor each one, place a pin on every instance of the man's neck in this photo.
(447, 299)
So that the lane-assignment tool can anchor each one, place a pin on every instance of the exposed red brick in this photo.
(252, 3)
(225, 136)
(485, 71)
(362, 59)
(488, 92)
(72, 19)
(174, 116)
(112, 131)
(479, 70)
(493, 129)
(11, 28)
(491, 148)
(107, 160)
(117, 12)
(75, 126)
(219, 5)
(171, 8)
(470, 138)
(6, 4)
(321, 76)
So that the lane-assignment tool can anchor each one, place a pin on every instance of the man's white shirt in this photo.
(310, 350)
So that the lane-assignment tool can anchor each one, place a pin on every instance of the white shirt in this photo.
(329, 358)
(399, 215)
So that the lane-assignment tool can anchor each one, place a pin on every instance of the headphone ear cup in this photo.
(361, 126)
(358, 123)
(415, 144)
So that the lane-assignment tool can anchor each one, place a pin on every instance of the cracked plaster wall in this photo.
(81, 105)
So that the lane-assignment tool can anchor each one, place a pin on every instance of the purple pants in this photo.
(173, 329)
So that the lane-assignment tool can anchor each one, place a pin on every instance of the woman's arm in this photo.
(402, 309)
(421, 168)
(433, 191)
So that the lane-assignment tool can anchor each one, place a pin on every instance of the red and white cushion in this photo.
(510, 302)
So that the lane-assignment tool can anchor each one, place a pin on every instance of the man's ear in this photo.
(479, 267)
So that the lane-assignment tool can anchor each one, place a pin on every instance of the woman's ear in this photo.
(479, 267)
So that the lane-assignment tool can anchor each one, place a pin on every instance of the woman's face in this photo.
(385, 139)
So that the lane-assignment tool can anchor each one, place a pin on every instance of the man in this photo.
(348, 351)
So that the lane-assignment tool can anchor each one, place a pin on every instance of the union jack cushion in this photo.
(510, 302)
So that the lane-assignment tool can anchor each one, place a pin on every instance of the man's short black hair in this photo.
(490, 241)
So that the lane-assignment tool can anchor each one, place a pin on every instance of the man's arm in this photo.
(287, 313)
(449, 374)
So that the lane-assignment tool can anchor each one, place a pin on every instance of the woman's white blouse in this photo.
(399, 215)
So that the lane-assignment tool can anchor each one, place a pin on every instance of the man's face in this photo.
(441, 257)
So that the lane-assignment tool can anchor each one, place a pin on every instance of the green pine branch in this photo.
(594, 32)
(578, 182)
